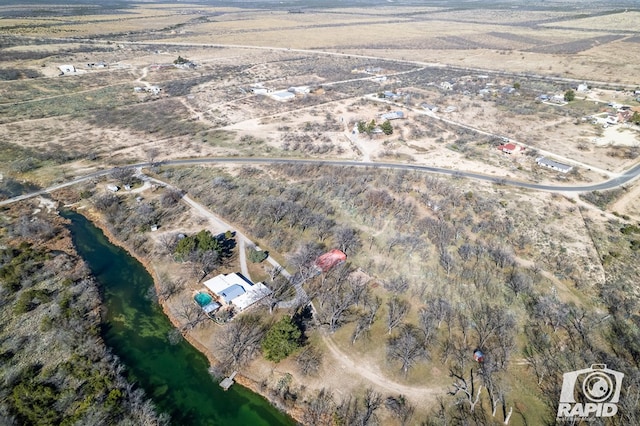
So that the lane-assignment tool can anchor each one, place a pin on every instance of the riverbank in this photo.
(167, 310)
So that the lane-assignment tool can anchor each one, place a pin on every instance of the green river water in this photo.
(175, 377)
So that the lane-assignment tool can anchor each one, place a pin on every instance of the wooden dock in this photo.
(228, 381)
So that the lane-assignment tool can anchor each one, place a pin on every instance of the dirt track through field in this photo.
(370, 372)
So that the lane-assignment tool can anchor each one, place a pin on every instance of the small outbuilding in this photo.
(330, 260)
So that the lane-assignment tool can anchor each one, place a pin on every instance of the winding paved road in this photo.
(615, 182)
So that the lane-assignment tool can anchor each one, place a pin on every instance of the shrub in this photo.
(257, 256)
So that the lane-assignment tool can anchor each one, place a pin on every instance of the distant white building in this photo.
(554, 165)
(259, 90)
(67, 69)
(299, 90)
(282, 95)
(582, 88)
(113, 188)
(430, 107)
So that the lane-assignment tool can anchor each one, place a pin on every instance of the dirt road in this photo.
(371, 373)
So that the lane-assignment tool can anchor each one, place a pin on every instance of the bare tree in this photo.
(502, 256)
(335, 298)
(319, 409)
(309, 360)
(447, 262)
(124, 175)
(34, 228)
(372, 401)
(489, 321)
(372, 305)
(466, 388)
(397, 285)
(240, 339)
(281, 289)
(170, 197)
(353, 411)
(519, 282)
(398, 309)
(190, 313)
(274, 272)
(152, 153)
(303, 260)
(427, 323)
(323, 228)
(362, 327)
(407, 346)
(400, 408)
(204, 262)
(168, 242)
(495, 390)
(347, 239)
(167, 287)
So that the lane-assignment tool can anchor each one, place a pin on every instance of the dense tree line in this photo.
(55, 367)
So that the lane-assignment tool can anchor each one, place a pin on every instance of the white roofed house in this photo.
(554, 165)
(282, 95)
(582, 87)
(237, 290)
(67, 69)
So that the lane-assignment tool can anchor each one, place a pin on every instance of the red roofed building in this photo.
(330, 259)
(510, 148)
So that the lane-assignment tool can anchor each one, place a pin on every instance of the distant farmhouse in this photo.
(390, 95)
(394, 115)
(282, 95)
(430, 107)
(554, 165)
(67, 69)
(510, 148)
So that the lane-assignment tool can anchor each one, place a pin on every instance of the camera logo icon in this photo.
(590, 392)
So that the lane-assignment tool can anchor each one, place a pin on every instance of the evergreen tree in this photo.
(282, 339)
(386, 127)
(569, 95)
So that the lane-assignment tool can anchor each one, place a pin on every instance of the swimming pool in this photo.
(203, 299)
